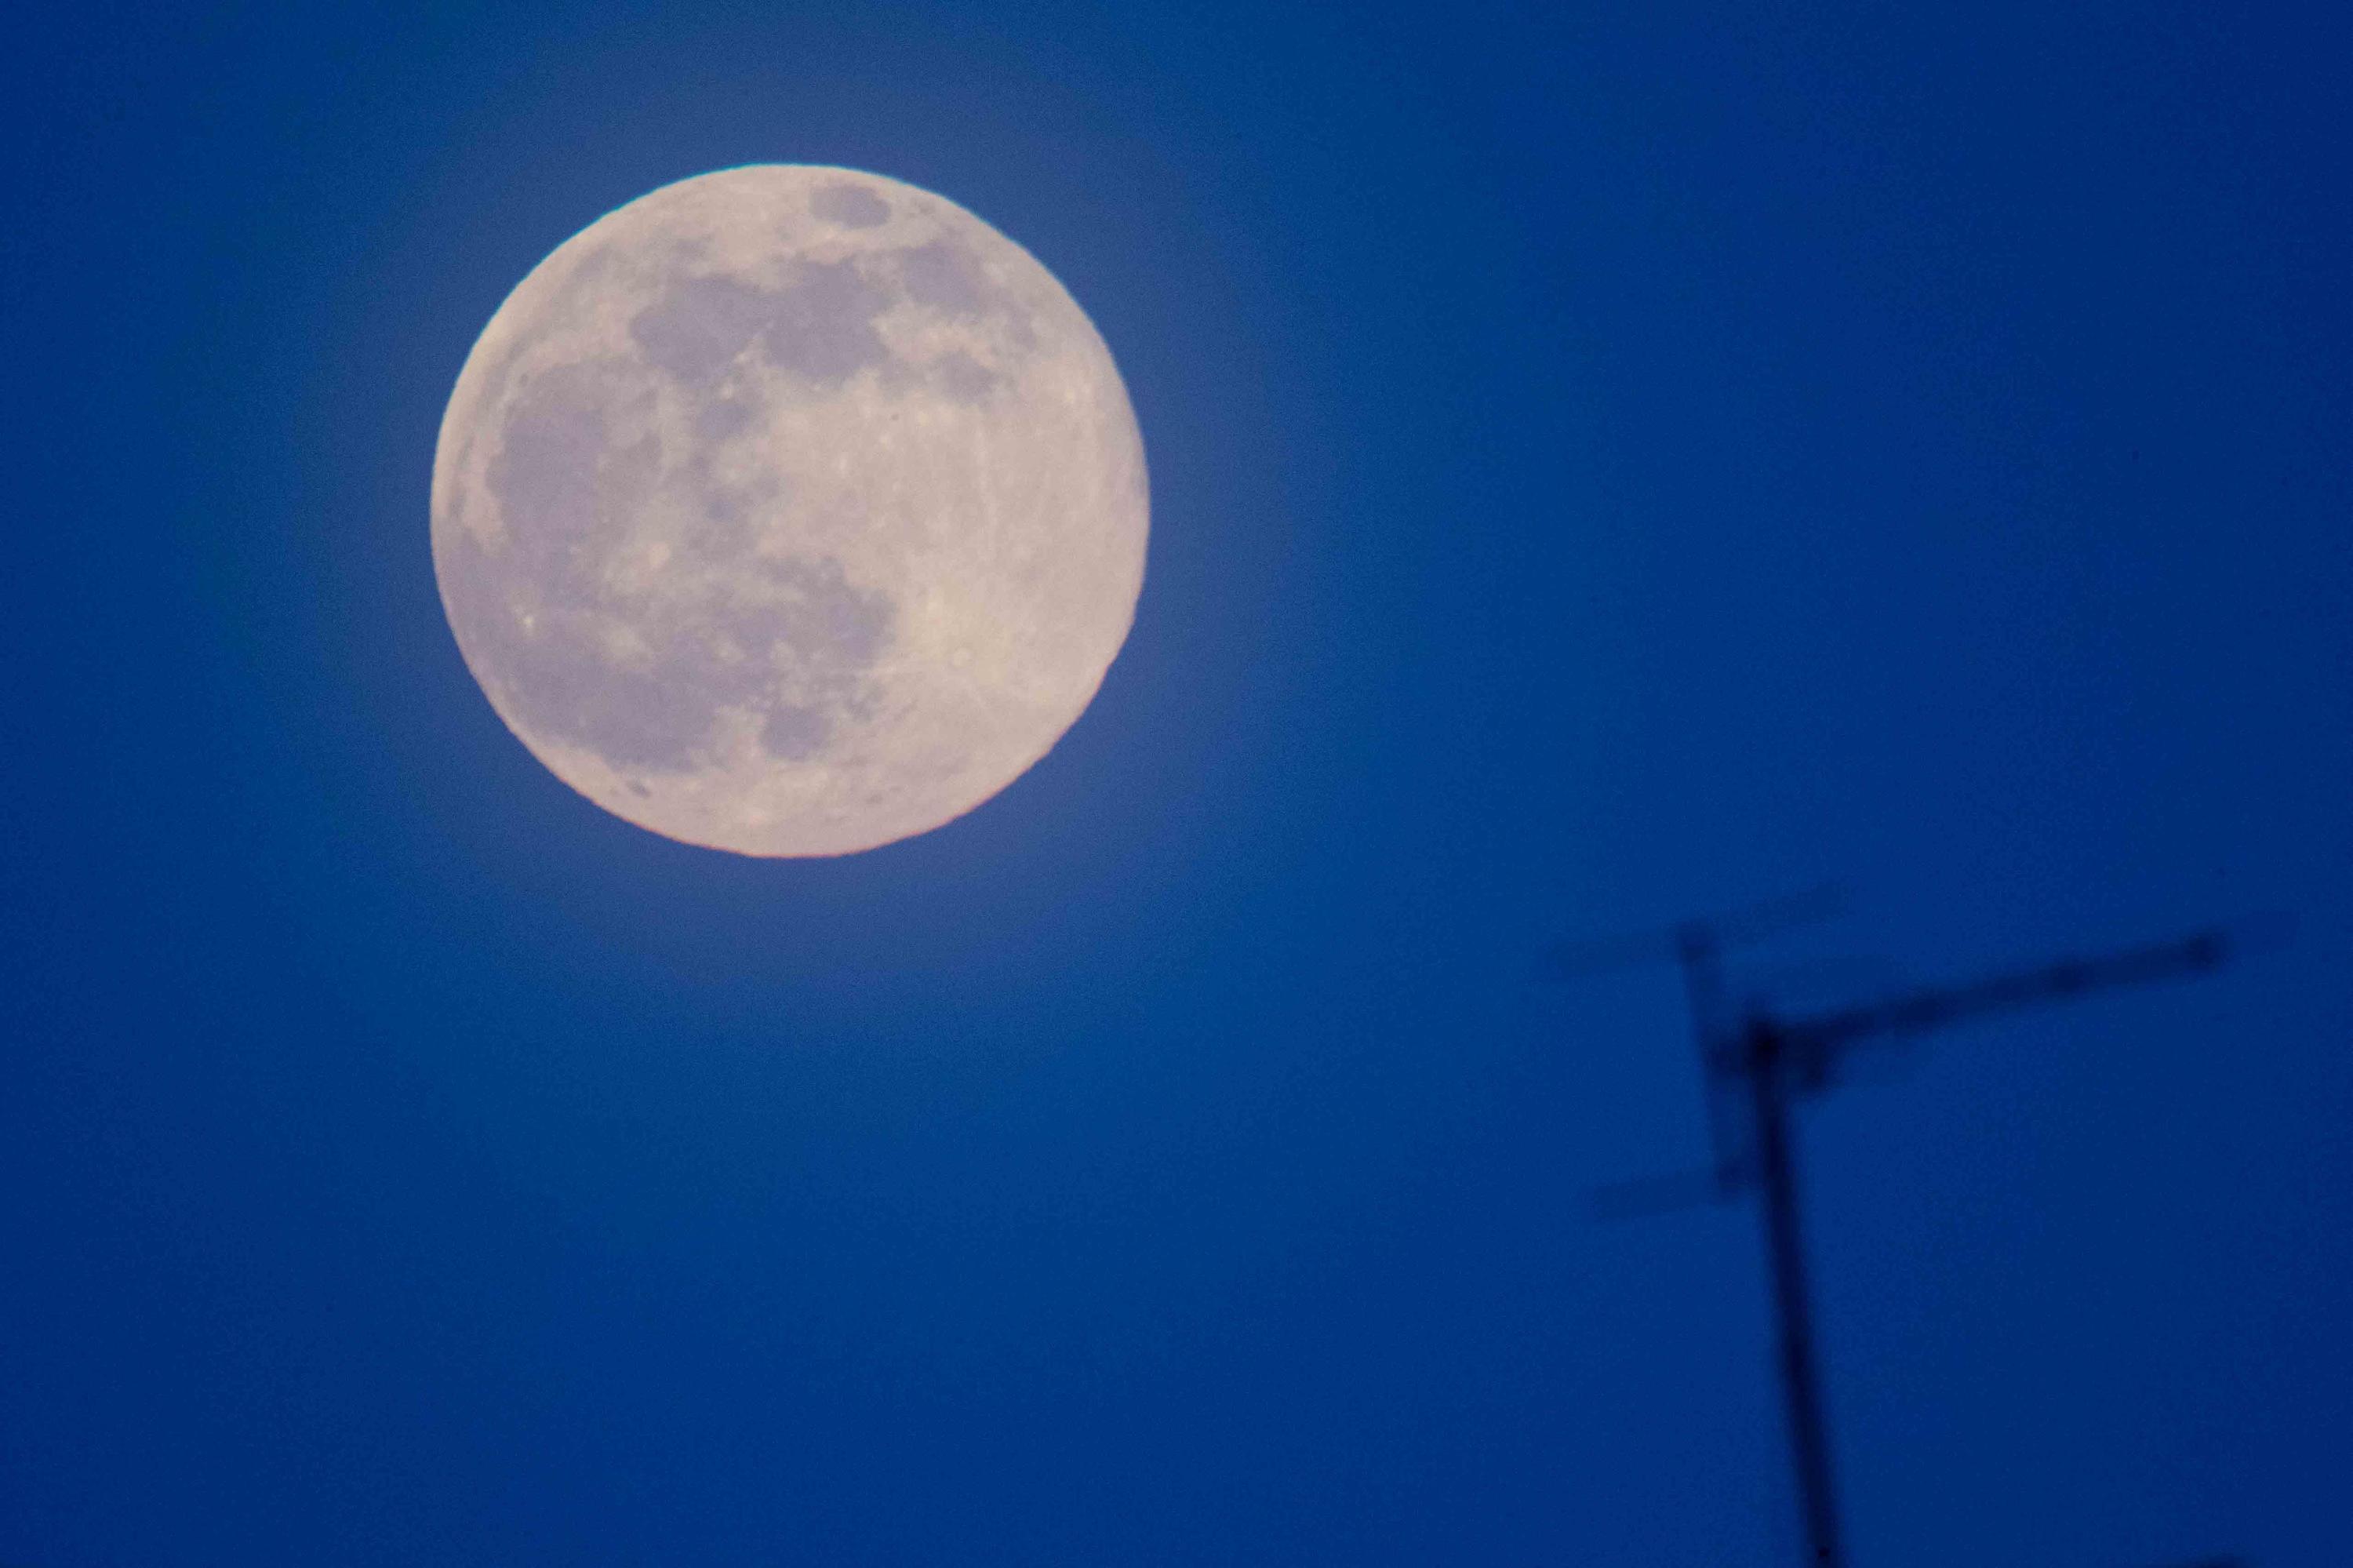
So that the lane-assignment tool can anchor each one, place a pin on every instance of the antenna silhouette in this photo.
(1756, 1069)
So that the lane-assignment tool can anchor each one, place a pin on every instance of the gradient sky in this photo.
(1609, 462)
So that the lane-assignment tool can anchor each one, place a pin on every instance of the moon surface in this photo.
(789, 511)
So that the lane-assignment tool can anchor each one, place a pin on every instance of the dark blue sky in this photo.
(1606, 463)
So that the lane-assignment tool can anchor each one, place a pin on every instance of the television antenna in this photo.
(1756, 1065)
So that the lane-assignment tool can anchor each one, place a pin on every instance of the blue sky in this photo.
(1606, 463)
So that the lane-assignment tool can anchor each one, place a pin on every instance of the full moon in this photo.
(789, 511)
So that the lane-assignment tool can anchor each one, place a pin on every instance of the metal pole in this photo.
(1800, 1386)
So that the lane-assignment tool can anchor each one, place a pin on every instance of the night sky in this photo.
(1608, 464)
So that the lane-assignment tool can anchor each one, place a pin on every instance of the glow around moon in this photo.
(789, 510)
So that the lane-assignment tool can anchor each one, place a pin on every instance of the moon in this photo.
(789, 511)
